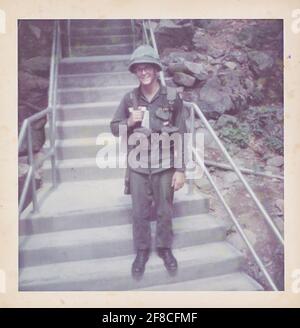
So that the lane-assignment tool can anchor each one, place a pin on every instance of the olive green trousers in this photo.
(145, 189)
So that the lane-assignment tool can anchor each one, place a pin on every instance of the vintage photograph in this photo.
(151, 154)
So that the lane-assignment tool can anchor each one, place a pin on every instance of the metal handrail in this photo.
(238, 172)
(235, 221)
(69, 37)
(26, 129)
(193, 107)
(133, 33)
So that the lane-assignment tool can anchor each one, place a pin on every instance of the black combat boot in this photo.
(169, 259)
(138, 265)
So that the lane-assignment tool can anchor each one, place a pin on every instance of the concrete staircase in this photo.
(81, 237)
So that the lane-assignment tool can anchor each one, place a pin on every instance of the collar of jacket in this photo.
(139, 94)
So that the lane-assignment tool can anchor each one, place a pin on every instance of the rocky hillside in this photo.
(34, 52)
(233, 69)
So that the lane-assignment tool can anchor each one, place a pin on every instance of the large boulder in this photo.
(184, 79)
(198, 70)
(216, 99)
(260, 63)
(200, 40)
(168, 34)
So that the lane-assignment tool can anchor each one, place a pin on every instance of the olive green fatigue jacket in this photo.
(153, 161)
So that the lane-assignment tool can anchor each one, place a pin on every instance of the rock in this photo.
(208, 139)
(203, 184)
(213, 99)
(238, 56)
(236, 240)
(202, 23)
(230, 178)
(35, 30)
(246, 36)
(195, 68)
(200, 40)
(260, 63)
(38, 65)
(280, 205)
(215, 52)
(224, 120)
(257, 146)
(251, 236)
(260, 34)
(29, 82)
(279, 223)
(39, 124)
(198, 123)
(22, 169)
(176, 67)
(230, 65)
(212, 123)
(276, 161)
(168, 34)
(203, 58)
(249, 85)
(272, 169)
(176, 55)
(180, 90)
(184, 79)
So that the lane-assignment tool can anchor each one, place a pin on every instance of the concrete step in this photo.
(237, 281)
(80, 128)
(94, 64)
(79, 147)
(82, 169)
(101, 31)
(89, 204)
(85, 147)
(100, 50)
(94, 39)
(109, 23)
(83, 244)
(87, 111)
(114, 273)
(96, 80)
(96, 94)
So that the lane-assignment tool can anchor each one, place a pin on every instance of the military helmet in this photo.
(144, 54)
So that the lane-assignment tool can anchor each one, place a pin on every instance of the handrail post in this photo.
(69, 38)
(145, 32)
(192, 135)
(54, 99)
(133, 34)
(161, 74)
(31, 162)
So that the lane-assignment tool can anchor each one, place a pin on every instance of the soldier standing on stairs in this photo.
(151, 108)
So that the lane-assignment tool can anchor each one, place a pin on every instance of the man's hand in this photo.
(178, 180)
(135, 116)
